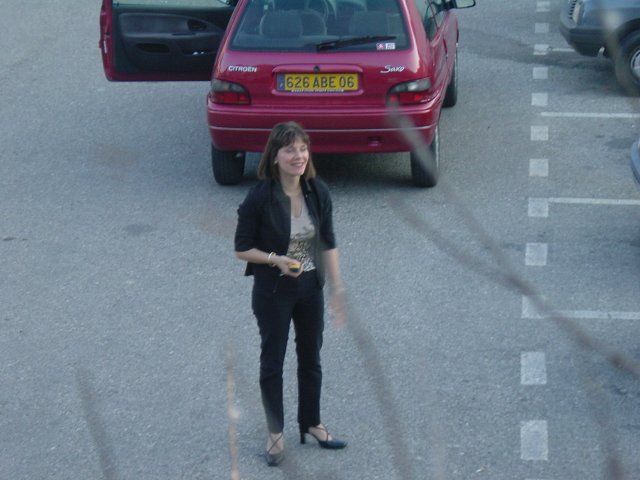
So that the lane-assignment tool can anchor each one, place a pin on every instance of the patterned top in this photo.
(301, 241)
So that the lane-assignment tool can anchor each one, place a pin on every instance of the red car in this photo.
(334, 66)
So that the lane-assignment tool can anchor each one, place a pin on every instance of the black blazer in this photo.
(264, 222)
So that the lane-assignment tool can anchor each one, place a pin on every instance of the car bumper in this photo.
(584, 40)
(367, 131)
(635, 160)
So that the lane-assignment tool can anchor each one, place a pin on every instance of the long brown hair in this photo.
(281, 135)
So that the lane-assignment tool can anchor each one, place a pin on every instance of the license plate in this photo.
(317, 82)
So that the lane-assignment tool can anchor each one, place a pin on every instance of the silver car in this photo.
(613, 26)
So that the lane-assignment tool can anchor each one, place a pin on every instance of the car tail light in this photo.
(411, 93)
(229, 93)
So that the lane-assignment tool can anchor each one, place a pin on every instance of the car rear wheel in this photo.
(424, 172)
(451, 95)
(627, 63)
(228, 167)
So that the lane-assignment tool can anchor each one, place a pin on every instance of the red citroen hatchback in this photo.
(335, 66)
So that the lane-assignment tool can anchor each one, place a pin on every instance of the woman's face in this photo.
(293, 158)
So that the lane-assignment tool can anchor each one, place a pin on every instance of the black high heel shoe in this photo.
(274, 459)
(333, 444)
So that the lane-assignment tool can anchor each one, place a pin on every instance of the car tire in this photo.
(627, 63)
(228, 167)
(425, 173)
(451, 94)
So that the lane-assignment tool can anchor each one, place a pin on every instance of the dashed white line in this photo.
(533, 368)
(539, 99)
(538, 207)
(543, 6)
(542, 28)
(534, 440)
(533, 434)
(536, 254)
(539, 133)
(541, 49)
(538, 167)
(540, 73)
(530, 309)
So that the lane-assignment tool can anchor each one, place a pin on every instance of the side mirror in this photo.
(449, 4)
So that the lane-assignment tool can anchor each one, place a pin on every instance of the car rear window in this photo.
(320, 25)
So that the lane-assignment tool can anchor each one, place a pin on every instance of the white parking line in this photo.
(539, 133)
(542, 28)
(530, 312)
(540, 73)
(539, 99)
(536, 255)
(589, 115)
(599, 315)
(538, 167)
(534, 443)
(595, 201)
(541, 49)
(529, 309)
(539, 207)
(543, 6)
(533, 368)
(562, 50)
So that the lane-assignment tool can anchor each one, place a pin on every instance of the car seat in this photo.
(312, 21)
(281, 24)
(368, 23)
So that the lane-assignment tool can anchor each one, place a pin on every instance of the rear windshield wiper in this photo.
(346, 42)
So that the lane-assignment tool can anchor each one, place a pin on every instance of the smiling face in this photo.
(292, 159)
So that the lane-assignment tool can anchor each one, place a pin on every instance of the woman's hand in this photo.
(283, 262)
(338, 305)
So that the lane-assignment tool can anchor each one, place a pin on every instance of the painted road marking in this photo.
(533, 368)
(589, 115)
(529, 307)
(539, 207)
(539, 133)
(540, 73)
(541, 49)
(534, 440)
(536, 254)
(542, 28)
(562, 50)
(543, 6)
(531, 312)
(539, 99)
(538, 167)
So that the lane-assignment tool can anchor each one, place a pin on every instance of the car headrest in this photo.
(281, 24)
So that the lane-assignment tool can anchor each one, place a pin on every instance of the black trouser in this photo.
(302, 300)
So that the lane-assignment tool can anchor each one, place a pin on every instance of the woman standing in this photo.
(285, 234)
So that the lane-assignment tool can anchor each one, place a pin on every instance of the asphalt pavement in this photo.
(127, 345)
